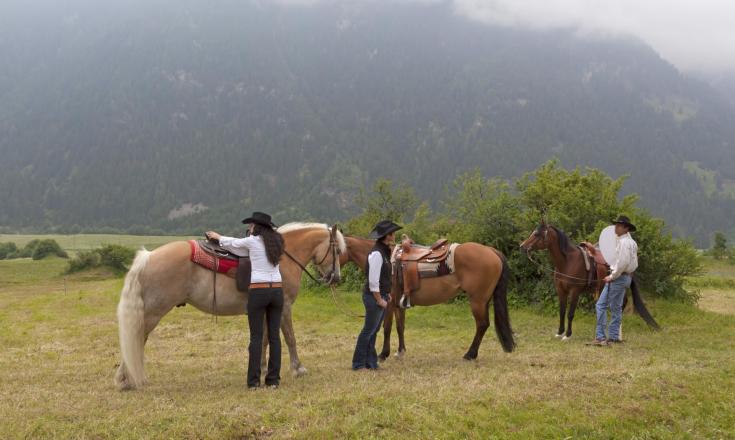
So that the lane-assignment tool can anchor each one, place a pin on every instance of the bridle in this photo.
(554, 273)
(333, 248)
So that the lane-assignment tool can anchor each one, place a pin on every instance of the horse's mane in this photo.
(299, 226)
(565, 244)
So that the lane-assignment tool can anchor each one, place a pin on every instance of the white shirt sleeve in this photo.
(375, 263)
(238, 246)
(627, 259)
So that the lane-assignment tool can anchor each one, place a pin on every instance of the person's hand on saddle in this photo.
(212, 236)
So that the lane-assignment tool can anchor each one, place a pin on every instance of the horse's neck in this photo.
(557, 256)
(303, 244)
(359, 250)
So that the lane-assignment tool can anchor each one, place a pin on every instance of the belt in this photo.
(265, 285)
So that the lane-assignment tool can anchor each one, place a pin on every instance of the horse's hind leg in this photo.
(482, 322)
(153, 311)
(562, 311)
(387, 327)
(400, 327)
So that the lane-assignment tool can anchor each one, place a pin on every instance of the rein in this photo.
(332, 249)
(554, 272)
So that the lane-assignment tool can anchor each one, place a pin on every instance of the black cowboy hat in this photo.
(260, 218)
(383, 228)
(623, 220)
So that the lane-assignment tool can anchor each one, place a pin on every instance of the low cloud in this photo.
(693, 35)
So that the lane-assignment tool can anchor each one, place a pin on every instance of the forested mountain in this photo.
(134, 114)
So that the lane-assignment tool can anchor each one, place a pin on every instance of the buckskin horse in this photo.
(571, 276)
(480, 271)
(159, 280)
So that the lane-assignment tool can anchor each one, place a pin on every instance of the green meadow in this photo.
(58, 335)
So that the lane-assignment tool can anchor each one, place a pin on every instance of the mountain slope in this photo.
(122, 117)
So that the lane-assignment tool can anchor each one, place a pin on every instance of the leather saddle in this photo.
(597, 267)
(244, 266)
(409, 255)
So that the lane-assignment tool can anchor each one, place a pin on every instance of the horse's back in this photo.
(477, 263)
(171, 259)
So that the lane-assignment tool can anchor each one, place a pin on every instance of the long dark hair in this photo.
(273, 241)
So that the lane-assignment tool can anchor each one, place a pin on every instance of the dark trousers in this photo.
(365, 355)
(266, 303)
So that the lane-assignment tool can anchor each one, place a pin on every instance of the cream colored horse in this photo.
(159, 280)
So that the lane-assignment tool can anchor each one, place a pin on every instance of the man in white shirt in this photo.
(621, 273)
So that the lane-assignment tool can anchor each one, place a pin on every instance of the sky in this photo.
(694, 35)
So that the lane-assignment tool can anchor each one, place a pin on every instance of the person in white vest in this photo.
(621, 275)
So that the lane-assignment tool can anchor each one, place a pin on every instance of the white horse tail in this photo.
(131, 322)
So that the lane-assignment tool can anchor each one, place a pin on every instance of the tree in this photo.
(719, 249)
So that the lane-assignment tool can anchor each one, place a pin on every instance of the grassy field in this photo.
(59, 341)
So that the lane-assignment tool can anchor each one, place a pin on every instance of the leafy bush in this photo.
(45, 248)
(116, 256)
(36, 249)
(84, 260)
(113, 256)
(6, 249)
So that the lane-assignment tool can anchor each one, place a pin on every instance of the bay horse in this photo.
(480, 271)
(166, 277)
(570, 275)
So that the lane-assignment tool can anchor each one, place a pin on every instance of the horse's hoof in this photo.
(301, 371)
(566, 338)
(559, 335)
(382, 357)
(469, 357)
(399, 354)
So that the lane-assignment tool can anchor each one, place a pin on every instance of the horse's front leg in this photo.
(387, 327)
(288, 334)
(570, 317)
(562, 309)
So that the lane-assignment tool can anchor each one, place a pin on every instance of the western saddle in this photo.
(409, 255)
(597, 267)
(244, 266)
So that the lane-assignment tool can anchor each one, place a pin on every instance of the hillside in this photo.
(176, 115)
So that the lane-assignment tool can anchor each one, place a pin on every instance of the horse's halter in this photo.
(538, 236)
(334, 250)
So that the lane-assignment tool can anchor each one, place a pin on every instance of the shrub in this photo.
(116, 256)
(7, 249)
(45, 248)
(113, 256)
(84, 260)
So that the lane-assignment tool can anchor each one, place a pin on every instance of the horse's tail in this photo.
(130, 317)
(500, 307)
(640, 306)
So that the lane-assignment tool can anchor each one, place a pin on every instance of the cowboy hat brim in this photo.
(375, 235)
(630, 226)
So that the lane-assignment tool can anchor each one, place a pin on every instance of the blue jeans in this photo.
(365, 355)
(612, 298)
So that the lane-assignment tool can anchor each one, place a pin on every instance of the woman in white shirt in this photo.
(265, 246)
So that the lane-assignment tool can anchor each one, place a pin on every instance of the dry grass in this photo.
(60, 352)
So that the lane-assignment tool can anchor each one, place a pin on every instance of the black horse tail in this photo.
(500, 308)
(640, 306)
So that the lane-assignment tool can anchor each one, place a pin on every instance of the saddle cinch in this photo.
(214, 257)
(595, 264)
(413, 262)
